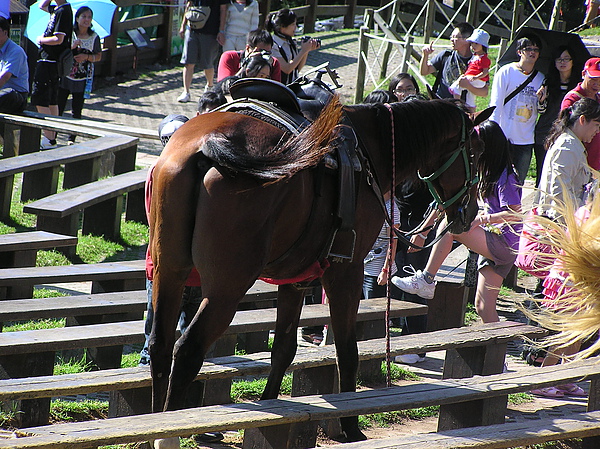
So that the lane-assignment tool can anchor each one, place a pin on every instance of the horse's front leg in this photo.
(343, 285)
(289, 306)
(212, 319)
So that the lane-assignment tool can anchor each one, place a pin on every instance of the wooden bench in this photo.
(105, 276)
(479, 399)
(101, 203)
(141, 133)
(82, 164)
(497, 436)
(32, 353)
(20, 250)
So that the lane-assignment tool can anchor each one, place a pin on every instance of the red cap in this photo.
(592, 67)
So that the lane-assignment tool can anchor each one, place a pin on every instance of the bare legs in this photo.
(48, 110)
(188, 74)
(488, 283)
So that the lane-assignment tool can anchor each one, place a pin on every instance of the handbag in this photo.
(535, 256)
(65, 62)
(197, 16)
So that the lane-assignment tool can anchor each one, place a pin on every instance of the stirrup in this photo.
(342, 246)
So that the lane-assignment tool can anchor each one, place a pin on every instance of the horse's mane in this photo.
(421, 125)
(281, 161)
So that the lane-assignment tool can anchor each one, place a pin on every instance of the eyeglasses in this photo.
(531, 49)
(405, 90)
(456, 38)
(561, 60)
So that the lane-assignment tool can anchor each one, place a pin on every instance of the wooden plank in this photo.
(128, 269)
(109, 334)
(20, 241)
(62, 155)
(260, 363)
(507, 435)
(98, 125)
(296, 409)
(66, 203)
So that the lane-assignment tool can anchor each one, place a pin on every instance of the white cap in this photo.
(480, 36)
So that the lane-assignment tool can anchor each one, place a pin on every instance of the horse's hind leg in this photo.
(289, 306)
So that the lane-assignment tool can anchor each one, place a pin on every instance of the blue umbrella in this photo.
(103, 11)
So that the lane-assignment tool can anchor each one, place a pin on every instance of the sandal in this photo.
(548, 392)
(572, 390)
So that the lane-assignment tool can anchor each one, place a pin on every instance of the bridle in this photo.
(471, 177)
(463, 196)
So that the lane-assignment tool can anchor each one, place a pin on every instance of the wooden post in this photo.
(473, 13)
(555, 18)
(515, 19)
(165, 31)
(429, 18)
(363, 49)
(350, 12)
(407, 52)
(110, 42)
(311, 17)
(264, 7)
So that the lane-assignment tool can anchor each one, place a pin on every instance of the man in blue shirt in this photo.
(14, 73)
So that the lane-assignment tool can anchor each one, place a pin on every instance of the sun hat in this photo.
(480, 36)
(169, 125)
(592, 67)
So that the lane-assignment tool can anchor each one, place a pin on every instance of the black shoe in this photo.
(209, 437)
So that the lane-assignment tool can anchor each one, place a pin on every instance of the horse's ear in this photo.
(482, 116)
(432, 94)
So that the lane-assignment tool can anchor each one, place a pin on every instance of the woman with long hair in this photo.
(562, 76)
(494, 234)
(86, 51)
(283, 25)
(566, 171)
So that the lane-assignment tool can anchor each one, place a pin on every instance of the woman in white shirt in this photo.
(566, 172)
(242, 17)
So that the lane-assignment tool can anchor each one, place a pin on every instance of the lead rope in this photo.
(390, 256)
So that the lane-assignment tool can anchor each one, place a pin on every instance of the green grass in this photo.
(73, 411)
(72, 366)
(251, 390)
(46, 323)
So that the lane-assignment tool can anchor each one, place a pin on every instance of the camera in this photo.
(307, 38)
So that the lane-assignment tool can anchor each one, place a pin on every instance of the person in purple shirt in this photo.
(14, 73)
(494, 233)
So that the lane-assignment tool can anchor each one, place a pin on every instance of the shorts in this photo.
(45, 84)
(503, 255)
(200, 49)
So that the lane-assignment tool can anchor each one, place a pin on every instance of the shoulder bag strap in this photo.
(514, 93)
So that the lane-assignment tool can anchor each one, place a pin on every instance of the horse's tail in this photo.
(285, 159)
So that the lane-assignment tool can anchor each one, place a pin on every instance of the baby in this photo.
(477, 72)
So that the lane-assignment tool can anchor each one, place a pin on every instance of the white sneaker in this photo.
(184, 97)
(415, 284)
(207, 88)
(47, 143)
(409, 359)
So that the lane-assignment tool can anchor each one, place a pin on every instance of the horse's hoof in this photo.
(167, 443)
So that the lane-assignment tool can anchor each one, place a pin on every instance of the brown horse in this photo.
(240, 199)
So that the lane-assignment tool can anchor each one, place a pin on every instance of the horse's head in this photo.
(452, 177)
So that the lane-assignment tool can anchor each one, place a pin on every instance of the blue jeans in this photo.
(192, 297)
(521, 158)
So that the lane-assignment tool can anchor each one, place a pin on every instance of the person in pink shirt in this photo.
(589, 88)
(231, 61)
